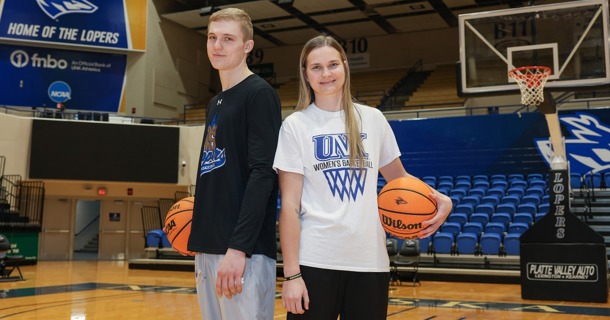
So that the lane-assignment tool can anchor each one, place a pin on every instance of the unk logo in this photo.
(56, 8)
(346, 183)
(588, 148)
(400, 201)
(332, 147)
(212, 157)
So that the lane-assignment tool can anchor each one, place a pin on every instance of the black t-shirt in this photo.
(236, 193)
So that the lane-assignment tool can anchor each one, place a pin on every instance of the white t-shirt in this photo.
(340, 227)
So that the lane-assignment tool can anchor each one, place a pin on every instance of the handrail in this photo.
(417, 66)
(87, 226)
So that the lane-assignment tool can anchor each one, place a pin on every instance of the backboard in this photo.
(571, 38)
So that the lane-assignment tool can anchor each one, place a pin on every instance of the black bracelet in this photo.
(296, 276)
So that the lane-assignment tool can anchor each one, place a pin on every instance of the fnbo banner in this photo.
(43, 77)
(116, 24)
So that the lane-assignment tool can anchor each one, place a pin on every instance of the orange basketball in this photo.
(403, 204)
(178, 225)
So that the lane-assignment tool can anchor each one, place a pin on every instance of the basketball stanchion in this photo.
(403, 205)
(561, 257)
(178, 225)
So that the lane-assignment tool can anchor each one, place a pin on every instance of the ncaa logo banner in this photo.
(43, 77)
(110, 24)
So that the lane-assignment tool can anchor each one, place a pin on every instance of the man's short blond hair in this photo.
(235, 14)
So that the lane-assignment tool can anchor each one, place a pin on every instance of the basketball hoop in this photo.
(531, 81)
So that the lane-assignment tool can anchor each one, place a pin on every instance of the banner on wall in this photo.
(111, 24)
(43, 77)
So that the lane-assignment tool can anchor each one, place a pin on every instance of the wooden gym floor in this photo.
(81, 290)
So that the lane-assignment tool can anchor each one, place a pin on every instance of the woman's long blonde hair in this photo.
(307, 96)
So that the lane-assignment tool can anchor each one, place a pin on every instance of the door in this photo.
(57, 230)
(113, 230)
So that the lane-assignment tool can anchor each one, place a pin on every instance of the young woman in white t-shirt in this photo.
(329, 154)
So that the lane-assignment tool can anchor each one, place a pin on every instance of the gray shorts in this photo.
(257, 299)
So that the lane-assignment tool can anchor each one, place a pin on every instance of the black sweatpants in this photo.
(352, 295)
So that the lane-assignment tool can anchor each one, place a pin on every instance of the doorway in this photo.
(87, 230)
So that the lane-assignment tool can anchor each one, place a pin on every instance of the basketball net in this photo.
(531, 81)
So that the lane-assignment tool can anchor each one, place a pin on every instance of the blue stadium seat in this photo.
(153, 239)
(523, 217)
(464, 208)
(477, 192)
(424, 244)
(518, 184)
(527, 207)
(512, 199)
(500, 184)
(455, 200)
(473, 200)
(458, 192)
(516, 191)
(535, 176)
(501, 217)
(544, 207)
(465, 185)
(497, 177)
(537, 183)
(467, 243)
(458, 217)
(165, 241)
(517, 227)
(481, 184)
(430, 180)
(576, 180)
(539, 216)
(491, 199)
(473, 227)
(531, 199)
(482, 218)
(485, 208)
(535, 190)
(490, 243)
(443, 242)
(445, 178)
(444, 184)
(451, 227)
(545, 199)
(592, 180)
(480, 177)
(506, 207)
(444, 190)
(515, 176)
(465, 178)
(512, 244)
(497, 192)
(494, 227)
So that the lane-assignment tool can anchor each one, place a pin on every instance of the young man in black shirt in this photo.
(233, 227)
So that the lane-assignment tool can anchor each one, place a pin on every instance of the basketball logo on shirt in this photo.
(212, 157)
(344, 181)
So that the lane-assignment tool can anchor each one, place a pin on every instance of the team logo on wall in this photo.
(587, 149)
(56, 8)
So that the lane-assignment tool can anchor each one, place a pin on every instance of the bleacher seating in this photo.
(438, 91)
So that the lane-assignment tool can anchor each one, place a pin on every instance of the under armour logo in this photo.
(219, 102)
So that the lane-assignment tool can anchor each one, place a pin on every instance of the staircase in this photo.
(593, 207)
(92, 246)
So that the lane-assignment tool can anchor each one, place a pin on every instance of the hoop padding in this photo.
(531, 81)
